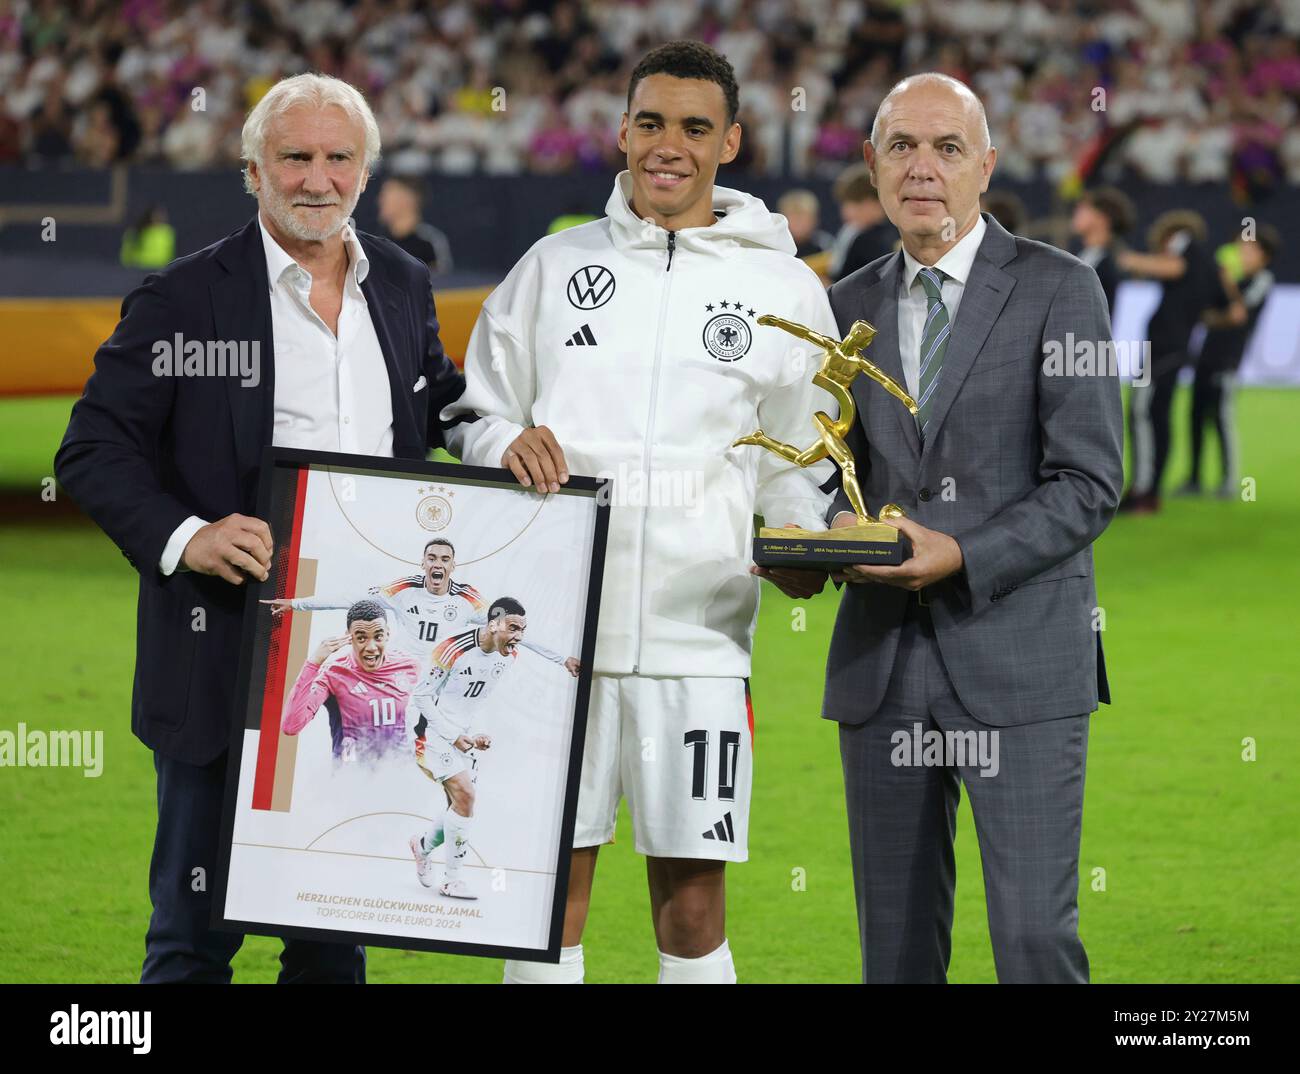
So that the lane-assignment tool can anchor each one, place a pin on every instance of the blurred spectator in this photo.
(866, 234)
(1189, 286)
(111, 132)
(1194, 90)
(802, 212)
(150, 242)
(1006, 208)
(401, 199)
(51, 128)
(191, 141)
(1101, 218)
(554, 149)
(1230, 328)
(837, 145)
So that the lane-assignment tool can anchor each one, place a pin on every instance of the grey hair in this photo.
(958, 87)
(320, 90)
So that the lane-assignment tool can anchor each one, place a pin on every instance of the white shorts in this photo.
(439, 759)
(682, 752)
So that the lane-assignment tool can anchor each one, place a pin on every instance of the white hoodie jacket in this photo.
(641, 352)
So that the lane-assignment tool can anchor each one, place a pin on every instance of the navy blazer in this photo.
(144, 452)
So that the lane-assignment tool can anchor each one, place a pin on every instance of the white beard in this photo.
(281, 211)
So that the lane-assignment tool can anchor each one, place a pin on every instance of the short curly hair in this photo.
(689, 59)
(504, 606)
(366, 611)
(439, 540)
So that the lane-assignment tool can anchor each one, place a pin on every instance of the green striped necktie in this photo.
(934, 342)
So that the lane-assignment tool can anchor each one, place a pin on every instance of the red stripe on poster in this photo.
(268, 742)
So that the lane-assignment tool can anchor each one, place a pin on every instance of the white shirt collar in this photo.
(956, 263)
(278, 261)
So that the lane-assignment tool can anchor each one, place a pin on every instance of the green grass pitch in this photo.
(1199, 847)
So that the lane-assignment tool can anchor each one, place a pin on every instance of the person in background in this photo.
(151, 242)
(400, 201)
(1182, 264)
(802, 211)
(866, 233)
(1230, 329)
(1101, 217)
(1006, 208)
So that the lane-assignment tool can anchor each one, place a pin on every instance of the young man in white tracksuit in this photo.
(629, 348)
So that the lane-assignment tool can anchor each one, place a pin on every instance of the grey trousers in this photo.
(903, 773)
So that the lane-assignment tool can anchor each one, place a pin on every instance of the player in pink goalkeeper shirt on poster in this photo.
(370, 683)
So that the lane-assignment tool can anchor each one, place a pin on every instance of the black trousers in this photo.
(180, 946)
(1212, 402)
(1150, 412)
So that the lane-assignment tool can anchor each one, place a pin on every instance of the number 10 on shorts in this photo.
(728, 759)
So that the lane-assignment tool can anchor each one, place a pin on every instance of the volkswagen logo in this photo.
(591, 287)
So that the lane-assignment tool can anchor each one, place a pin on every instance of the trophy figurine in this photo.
(870, 541)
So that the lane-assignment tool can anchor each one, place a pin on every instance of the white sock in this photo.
(714, 968)
(432, 839)
(457, 830)
(569, 970)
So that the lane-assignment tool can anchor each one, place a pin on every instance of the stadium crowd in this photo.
(1196, 90)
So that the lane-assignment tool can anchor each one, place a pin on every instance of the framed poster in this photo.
(411, 707)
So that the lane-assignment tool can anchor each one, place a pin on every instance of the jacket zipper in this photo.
(648, 446)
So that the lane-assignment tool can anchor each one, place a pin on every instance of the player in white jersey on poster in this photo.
(629, 348)
(428, 605)
(466, 670)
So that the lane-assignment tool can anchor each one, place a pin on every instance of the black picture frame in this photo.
(276, 462)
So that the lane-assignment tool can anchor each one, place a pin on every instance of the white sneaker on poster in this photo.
(423, 862)
(457, 889)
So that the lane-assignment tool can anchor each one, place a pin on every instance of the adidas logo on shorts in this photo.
(723, 832)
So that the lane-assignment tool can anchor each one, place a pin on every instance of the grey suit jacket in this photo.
(1024, 468)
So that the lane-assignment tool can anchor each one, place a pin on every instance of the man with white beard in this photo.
(164, 456)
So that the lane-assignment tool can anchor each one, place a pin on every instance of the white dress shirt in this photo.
(956, 265)
(331, 391)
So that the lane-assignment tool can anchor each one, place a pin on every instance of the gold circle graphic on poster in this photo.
(433, 512)
(386, 857)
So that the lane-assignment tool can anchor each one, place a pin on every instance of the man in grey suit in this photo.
(984, 641)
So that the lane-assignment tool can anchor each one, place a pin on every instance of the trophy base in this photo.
(812, 550)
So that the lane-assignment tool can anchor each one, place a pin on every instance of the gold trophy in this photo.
(871, 540)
